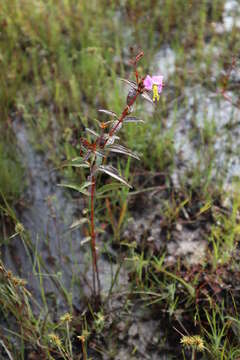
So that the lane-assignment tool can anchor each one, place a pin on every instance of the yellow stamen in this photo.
(155, 92)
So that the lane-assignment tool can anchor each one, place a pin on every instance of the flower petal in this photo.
(148, 83)
(160, 88)
(158, 80)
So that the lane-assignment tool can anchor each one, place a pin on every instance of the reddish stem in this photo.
(125, 112)
(123, 115)
(93, 240)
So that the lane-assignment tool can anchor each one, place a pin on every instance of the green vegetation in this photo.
(11, 172)
(61, 61)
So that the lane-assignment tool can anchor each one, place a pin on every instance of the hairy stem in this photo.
(123, 115)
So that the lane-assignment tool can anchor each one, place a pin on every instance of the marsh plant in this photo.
(94, 154)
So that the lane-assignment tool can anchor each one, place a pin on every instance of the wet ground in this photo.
(50, 216)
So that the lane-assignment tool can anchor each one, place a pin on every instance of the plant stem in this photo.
(123, 115)
(84, 350)
(93, 242)
(125, 112)
(193, 354)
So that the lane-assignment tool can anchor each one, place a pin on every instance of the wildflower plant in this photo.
(193, 342)
(94, 154)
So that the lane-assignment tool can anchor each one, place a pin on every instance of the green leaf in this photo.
(77, 165)
(205, 207)
(92, 132)
(130, 83)
(80, 189)
(122, 150)
(77, 162)
(110, 170)
(78, 223)
(188, 287)
(78, 158)
(106, 188)
(147, 97)
(108, 112)
(129, 119)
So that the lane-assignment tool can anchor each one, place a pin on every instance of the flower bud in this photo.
(131, 95)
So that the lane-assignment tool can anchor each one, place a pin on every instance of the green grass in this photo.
(64, 71)
(11, 179)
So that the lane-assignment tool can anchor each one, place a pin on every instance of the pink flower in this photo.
(154, 83)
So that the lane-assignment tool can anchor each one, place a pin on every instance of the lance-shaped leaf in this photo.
(81, 189)
(97, 152)
(110, 170)
(110, 139)
(147, 97)
(104, 124)
(78, 159)
(86, 146)
(130, 83)
(116, 126)
(129, 119)
(77, 223)
(105, 189)
(77, 162)
(134, 86)
(92, 132)
(83, 165)
(108, 112)
(122, 150)
(87, 156)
